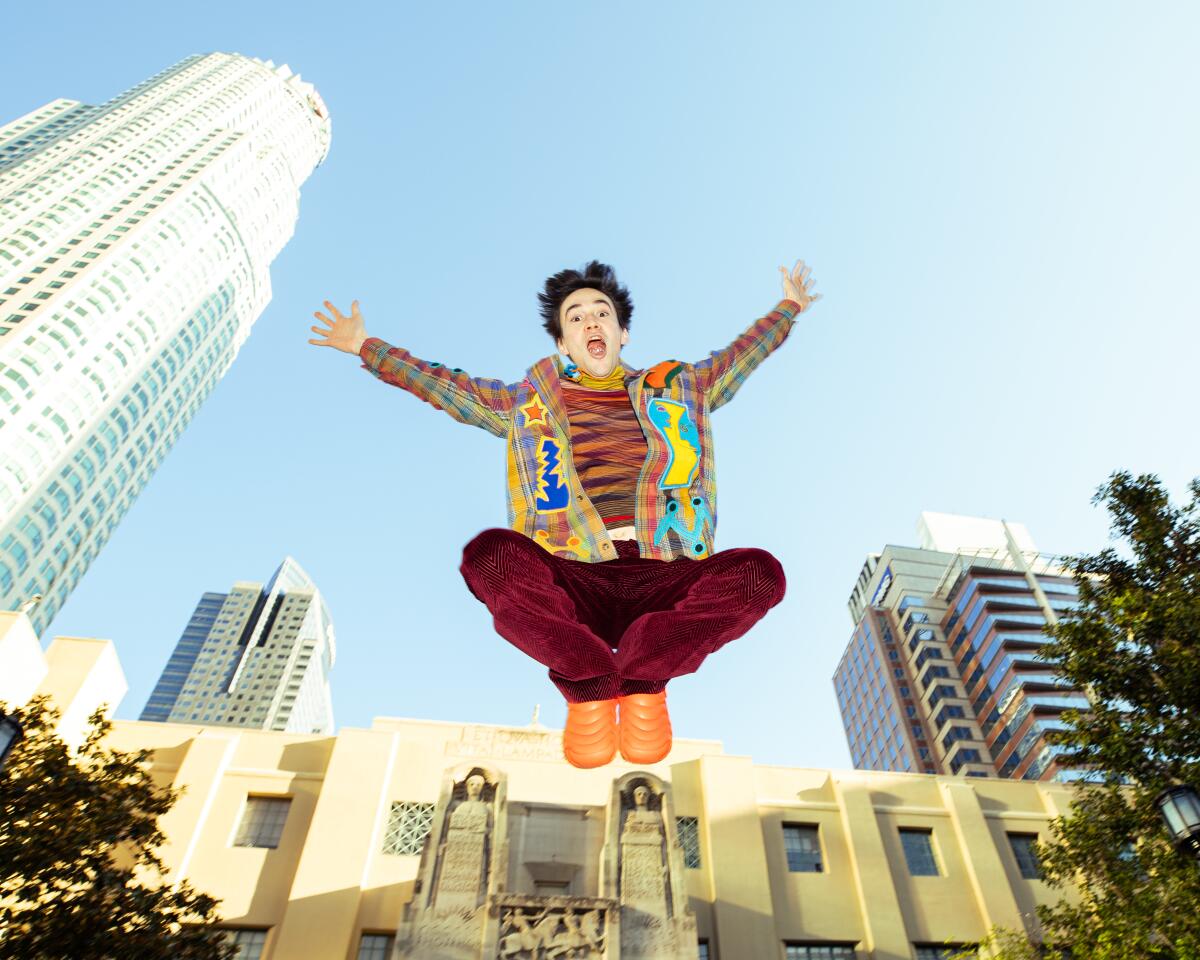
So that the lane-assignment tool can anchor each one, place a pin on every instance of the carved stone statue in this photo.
(645, 872)
(520, 938)
(471, 813)
(454, 914)
(569, 940)
(589, 926)
(643, 869)
(641, 818)
(552, 932)
(462, 876)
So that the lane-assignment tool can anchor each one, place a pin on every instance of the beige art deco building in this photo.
(431, 840)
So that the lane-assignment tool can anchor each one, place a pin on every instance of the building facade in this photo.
(257, 656)
(436, 840)
(135, 242)
(941, 675)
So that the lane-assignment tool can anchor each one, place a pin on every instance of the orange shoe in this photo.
(645, 727)
(590, 737)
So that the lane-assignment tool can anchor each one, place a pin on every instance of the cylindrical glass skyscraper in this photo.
(135, 242)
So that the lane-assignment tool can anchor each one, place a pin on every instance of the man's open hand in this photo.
(343, 333)
(797, 285)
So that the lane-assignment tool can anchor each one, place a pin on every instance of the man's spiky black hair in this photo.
(597, 276)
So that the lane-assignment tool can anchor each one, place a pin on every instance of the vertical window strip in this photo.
(1025, 853)
(688, 831)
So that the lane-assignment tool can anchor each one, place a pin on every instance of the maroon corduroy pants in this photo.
(622, 626)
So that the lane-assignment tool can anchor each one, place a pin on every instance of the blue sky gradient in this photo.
(999, 203)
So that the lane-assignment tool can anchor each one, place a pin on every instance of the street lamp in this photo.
(1180, 808)
(10, 734)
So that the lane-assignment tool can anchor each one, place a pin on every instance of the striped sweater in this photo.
(608, 449)
(675, 509)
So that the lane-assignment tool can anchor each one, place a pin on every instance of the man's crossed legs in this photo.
(615, 632)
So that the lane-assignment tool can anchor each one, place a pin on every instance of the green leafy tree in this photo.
(1134, 644)
(79, 872)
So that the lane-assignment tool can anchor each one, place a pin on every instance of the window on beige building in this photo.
(262, 822)
(375, 946)
(802, 843)
(250, 943)
(819, 951)
(688, 830)
(941, 951)
(1026, 856)
(918, 851)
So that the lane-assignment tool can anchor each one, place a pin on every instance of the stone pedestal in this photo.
(648, 880)
(447, 919)
(461, 875)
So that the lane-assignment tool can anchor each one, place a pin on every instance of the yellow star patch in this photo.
(534, 411)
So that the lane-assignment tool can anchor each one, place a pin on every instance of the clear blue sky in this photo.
(999, 202)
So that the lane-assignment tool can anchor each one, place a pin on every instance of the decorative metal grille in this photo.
(408, 826)
(688, 830)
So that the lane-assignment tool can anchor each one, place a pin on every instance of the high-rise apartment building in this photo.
(941, 675)
(135, 242)
(257, 656)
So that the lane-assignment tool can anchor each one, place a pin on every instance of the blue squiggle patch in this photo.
(552, 492)
(692, 536)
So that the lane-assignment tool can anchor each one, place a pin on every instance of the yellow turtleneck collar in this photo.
(614, 381)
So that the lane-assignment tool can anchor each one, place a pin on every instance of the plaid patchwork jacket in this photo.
(676, 505)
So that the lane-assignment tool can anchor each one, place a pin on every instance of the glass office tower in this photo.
(941, 675)
(257, 656)
(135, 245)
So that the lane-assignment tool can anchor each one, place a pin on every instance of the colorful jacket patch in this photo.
(673, 423)
(533, 412)
(690, 533)
(552, 491)
(660, 375)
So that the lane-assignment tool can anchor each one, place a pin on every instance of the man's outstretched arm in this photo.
(472, 400)
(723, 372)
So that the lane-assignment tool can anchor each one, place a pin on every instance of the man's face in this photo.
(591, 334)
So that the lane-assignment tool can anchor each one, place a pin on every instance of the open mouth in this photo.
(597, 347)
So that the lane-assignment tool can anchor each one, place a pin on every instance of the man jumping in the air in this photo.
(610, 476)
